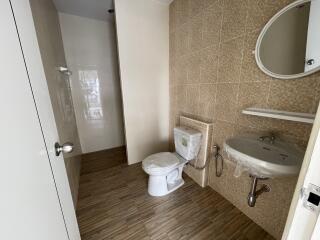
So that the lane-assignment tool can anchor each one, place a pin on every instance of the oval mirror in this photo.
(289, 45)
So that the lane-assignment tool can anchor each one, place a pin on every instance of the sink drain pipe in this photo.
(254, 193)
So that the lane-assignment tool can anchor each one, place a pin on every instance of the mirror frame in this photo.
(259, 40)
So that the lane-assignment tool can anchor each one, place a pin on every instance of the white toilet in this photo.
(165, 168)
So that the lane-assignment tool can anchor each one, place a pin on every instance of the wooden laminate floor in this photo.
(114, 204)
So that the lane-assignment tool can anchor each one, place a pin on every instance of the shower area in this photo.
(79, 53)
(91, 55)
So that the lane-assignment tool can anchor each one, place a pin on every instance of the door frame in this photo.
(301, 223)
(33, 61)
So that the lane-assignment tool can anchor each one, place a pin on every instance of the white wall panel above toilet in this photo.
(143, 41)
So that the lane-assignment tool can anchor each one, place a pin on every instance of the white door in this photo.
(303, 220)
(29, 203)
(316, 231)
(313, 48)
(33, 65)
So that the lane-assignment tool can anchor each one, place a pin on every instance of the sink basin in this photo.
(263, 158)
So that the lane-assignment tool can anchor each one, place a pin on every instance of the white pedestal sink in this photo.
(264, 158)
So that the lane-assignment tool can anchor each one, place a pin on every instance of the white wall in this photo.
(143, 42)
(91, 53)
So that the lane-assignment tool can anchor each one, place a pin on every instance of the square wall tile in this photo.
(207, 101)
(172, 16)
(316, 78)
(181, 71)
(287, 130)
(172, 49)
(195, 7)
(181, 97)
(209, 64)
(292, 95)
(251, 95)
(172, 76)
(234, 19)
(226, 102)
(221, 132)
(212, 22)
(193, 67)
(208, 3)
(182, 11)
(192, 104)
(230, 60)
(245, 129)
(173, 92)
(195, 33)
(182, 41)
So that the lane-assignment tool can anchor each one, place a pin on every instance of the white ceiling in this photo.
(97, 9)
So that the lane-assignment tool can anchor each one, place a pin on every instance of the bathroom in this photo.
(123, 87)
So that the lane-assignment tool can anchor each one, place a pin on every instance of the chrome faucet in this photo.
(270, 137)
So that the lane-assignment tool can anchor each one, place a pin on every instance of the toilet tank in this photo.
(187, 142)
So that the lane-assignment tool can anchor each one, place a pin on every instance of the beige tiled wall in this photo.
(213, 75)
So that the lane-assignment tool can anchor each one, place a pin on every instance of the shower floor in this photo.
(114, 204)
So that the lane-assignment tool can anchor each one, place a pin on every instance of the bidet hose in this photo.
(218, 157)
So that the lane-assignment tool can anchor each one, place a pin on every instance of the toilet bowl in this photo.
(165, 172)
(165, 168)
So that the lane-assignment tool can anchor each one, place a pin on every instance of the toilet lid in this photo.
(161, 160)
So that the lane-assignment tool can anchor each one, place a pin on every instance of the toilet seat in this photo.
(160, 162)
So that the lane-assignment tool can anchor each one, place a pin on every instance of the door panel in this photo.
(313, 49)
(29, 202)
(29, 43)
